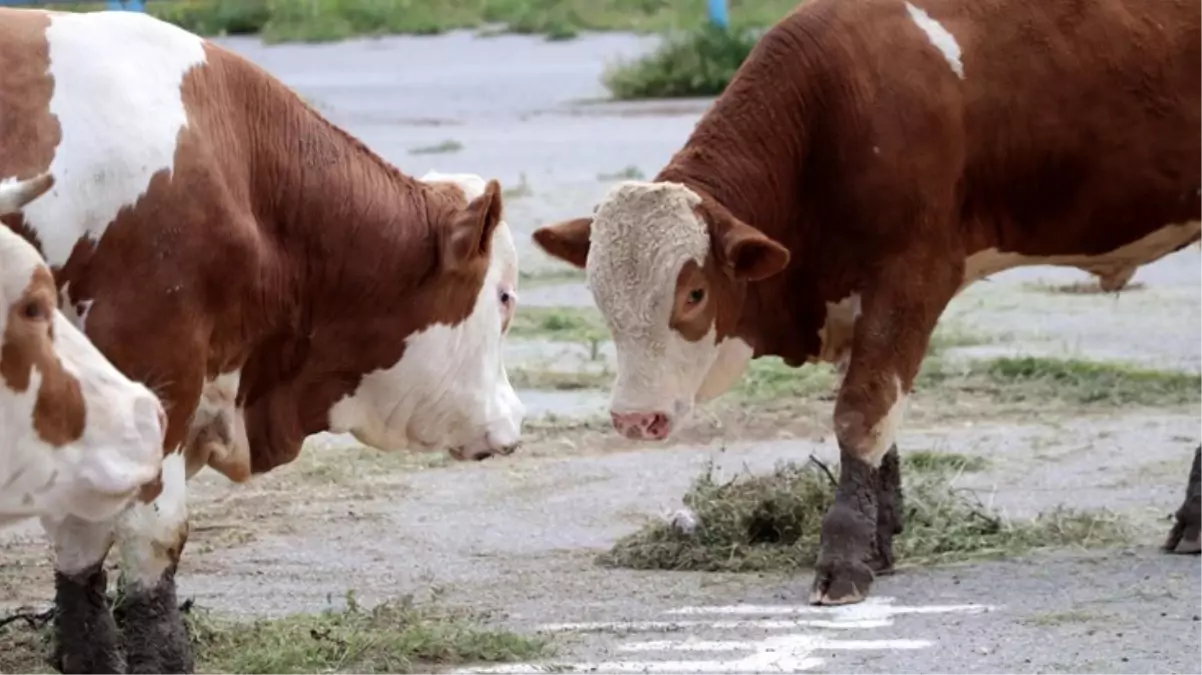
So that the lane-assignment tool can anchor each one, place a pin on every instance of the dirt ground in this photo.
(517, 536)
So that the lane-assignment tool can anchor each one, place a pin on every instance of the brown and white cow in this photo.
(867, 162)
(261, 270)
(77, 438)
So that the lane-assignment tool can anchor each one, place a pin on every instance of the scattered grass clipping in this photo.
(699, 62)
(757, 523)
(393, 637)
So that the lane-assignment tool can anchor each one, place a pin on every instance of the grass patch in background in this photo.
(449, 145)
(1041, 379)
(942, 462)
(564, 324)
(548, 277)
(631, 172)
(325, 20)
(1090, 287)
(771, 522)
(698, 62)
(393, 637)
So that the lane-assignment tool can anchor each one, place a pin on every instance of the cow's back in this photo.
(1059, 127)
(97, 99)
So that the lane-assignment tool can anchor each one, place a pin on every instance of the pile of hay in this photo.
(772, 522)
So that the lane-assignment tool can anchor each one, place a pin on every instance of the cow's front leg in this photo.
(150, 539)
(1184, 537)
(85, 636)
(887, 349)
(890, 511)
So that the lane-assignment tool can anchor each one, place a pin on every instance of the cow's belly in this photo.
(1113, 269)
(217, 435)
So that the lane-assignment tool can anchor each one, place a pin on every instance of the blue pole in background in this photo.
(719, 15)
(127, 5)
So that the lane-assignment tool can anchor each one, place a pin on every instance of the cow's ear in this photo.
(469, 235)
(567, 241)
(745, 253)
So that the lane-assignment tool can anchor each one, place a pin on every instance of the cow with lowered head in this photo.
(258, 268)
(867, 162)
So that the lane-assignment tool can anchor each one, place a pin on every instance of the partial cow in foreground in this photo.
(77, 439)
(257, 267)
(867, 162)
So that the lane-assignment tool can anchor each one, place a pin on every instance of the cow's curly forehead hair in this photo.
(641, 236)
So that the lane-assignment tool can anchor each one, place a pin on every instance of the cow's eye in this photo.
(696, 296)
(506, 298)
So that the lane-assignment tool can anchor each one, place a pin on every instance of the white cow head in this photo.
(669, 269)
(78, 437)
(450, 389)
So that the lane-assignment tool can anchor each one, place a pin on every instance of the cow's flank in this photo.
(867, 162)
(262, 270)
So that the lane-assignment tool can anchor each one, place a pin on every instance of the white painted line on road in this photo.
(673, 626)
(748, 665)
(870, 608)
(787, 652)
(777, 643)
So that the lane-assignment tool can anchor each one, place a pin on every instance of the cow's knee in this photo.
(867, 417)
(85, 635)
(150, 539)
(1185, 535)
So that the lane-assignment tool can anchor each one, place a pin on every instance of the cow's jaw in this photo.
(642, 236)
(449, 390)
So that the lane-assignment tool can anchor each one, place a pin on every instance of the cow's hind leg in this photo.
(85, 636)
(900, 312)
(1184, 537)
(150, 539)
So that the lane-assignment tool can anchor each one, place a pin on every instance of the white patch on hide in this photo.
(117, 99)
(940, 37)
(450, 389)
(146, 532)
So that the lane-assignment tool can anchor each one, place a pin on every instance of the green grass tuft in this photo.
(1034, 378)
(770, 522)
(326, 20)
(942, 462)
(446, 146)
(699, 62)
(565, 324)
(394, 637)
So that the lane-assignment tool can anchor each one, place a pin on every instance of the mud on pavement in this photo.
(516, 537)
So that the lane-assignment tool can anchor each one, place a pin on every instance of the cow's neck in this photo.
(352, 238)
(747, 154)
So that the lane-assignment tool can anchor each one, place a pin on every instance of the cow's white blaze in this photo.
(119, 124)
(940, 37)
(450, 388)
(641, 237)
(96, 475)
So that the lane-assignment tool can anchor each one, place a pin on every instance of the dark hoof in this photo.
(842, 575)
(85, 635)
(1185, 537)
(156, 639)
(840, 582)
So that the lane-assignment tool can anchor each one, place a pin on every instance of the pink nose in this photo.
(642, 426)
